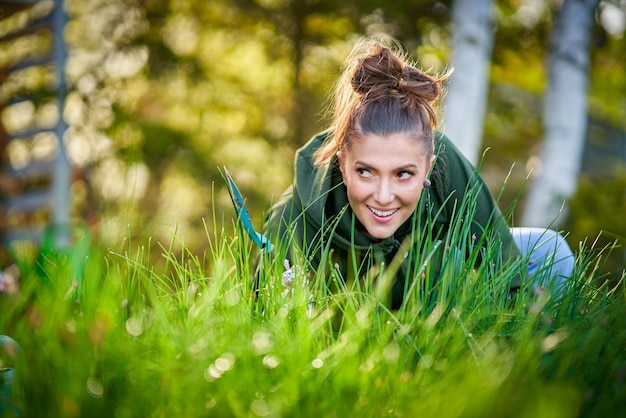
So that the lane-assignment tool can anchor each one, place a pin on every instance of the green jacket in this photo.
(315, 215)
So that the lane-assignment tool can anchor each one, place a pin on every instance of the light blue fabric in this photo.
(550, 258)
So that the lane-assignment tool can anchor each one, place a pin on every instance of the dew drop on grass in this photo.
(262, 342)
(552, 340)
(222, 364)
(231, 297)
(197, 347)
(391, 353)
(317, 363)
(260, 407)
(95, 388)
(426, 361)
(212, 373)
(71, 326)
(363, 318)
(282, 312)
(434, 316)
(367, 366)
(134, 326)
(225, 362)
(270, 361)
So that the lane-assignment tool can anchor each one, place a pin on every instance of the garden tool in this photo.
(259, 239)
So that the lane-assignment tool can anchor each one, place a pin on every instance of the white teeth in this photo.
(382, 213)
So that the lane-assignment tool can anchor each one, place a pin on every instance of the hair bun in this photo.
(420, 84)
(376, 71)
(379, 73)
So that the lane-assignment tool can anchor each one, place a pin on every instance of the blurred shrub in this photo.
(600, 205)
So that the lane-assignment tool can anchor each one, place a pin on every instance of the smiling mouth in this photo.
(382, 213)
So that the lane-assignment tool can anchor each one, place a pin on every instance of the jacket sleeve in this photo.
(469, 194)
(282, 219)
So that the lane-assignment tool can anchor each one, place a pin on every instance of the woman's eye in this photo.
(364, 172)
(404, 175)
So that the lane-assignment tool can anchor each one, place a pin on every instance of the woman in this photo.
(382, 176)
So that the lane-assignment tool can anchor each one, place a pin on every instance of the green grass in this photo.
(184, 336)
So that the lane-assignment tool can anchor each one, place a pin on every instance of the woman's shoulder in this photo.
(452, 171)
(449, 155)
(444, 145)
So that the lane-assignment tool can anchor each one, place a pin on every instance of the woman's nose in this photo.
(384, 193)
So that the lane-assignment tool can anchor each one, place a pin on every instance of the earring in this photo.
(427, 183)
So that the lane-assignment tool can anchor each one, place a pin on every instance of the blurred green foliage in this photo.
(606, 198)
(163, 92)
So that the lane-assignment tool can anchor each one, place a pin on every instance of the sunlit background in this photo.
(162, 93)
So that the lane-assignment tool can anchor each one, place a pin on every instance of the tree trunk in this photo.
(467, 92)
(565, 114)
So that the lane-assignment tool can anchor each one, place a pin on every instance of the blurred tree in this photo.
(196, 85)
(472, 46)
(565, 114)
(513, 126)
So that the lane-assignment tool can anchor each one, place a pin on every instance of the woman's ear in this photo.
(432, 161)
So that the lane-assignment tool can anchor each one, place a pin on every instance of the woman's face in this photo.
(384, 176)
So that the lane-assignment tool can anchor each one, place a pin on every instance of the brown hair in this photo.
(380, 93)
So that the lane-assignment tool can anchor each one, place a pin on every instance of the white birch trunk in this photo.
(466, 98)
(564, 116)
